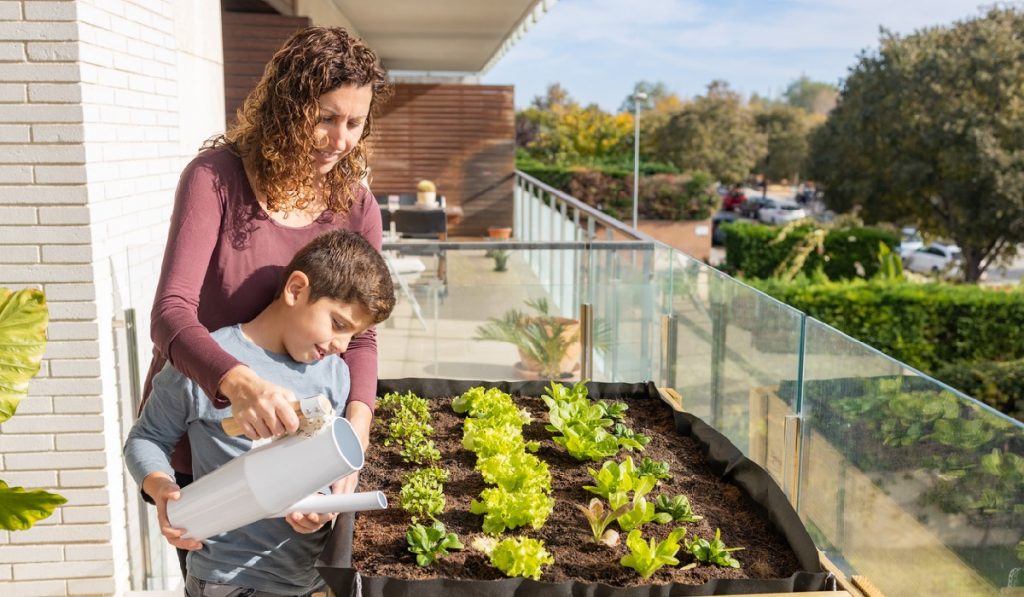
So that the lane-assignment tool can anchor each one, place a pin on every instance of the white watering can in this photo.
(274, 479)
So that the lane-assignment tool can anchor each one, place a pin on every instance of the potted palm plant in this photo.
(548, 345)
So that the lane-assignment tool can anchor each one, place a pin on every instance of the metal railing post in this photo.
(669, 347)
(586, 342)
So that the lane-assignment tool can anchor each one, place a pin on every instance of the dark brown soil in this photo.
(380, 548)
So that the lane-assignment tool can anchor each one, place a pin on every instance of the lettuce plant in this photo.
(647, 557)
(431, 543)
(714, 551)
(519, 481)
(516, 556)
(641, 513)
(678, 508)
(504, 509)
(584, 428)
(615, 481)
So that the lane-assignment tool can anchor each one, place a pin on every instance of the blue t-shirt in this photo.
(267, 555)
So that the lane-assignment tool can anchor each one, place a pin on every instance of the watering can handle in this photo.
(308, 408)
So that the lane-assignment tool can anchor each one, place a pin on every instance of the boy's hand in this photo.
(308, 523)
(263, 409)
(162, 488)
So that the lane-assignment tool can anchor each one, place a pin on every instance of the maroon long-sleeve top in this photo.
(223, 263)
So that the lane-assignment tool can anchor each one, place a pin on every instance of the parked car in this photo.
(733, 199)
(936, 258)
(750, 207)
(778, 211)
(910, 241)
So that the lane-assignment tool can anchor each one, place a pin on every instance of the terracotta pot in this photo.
(570, 360)
(499, 232)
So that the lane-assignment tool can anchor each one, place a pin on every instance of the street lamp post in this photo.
(637, 98)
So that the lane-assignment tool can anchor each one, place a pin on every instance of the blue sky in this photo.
(598, 49)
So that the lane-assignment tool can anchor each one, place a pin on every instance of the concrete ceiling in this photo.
(465, 36)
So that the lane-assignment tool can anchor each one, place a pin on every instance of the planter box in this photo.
(728, 489)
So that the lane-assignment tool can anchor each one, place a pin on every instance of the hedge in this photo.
(749, 250)
(923, 325)
(1000, 385)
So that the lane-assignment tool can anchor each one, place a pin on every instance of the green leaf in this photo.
(23, 319)
(20, 509)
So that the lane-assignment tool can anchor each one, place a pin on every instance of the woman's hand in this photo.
(308, 523)
(162, 488)
(263, 409)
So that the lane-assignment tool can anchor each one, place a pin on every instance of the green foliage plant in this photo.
(653, 468)
(519, 483)
(619, 483)
(714, 551)
(422, 492)
(599, 517)
(431, 543)
(677, 507)
(23, 319)
(641, 513)
(407, 417)
(583, 427)
(647, 557)
(516, 556)
(541, 337)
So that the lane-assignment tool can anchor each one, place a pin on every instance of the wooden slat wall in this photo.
(462, 137)
(250, 40)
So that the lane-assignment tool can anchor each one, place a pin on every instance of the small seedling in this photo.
(431, 543)
(599, 518)
(714, 551)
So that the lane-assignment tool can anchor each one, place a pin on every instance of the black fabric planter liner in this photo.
(725, 460)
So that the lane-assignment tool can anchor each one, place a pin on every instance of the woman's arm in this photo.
(261, 407)
(361, 356)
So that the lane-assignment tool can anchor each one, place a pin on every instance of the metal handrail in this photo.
(591, 212)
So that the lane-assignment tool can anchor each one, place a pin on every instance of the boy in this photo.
(334, 289)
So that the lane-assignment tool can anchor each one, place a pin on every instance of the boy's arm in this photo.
(147, 450)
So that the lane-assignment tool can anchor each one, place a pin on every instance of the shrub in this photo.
(751, 250)
(663, 193)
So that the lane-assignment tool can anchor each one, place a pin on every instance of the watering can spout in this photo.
(339, 502)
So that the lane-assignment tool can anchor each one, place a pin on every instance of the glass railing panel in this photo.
(736, 360)
(627, 303)
(135, 274)
(479, 313)
(903, 479)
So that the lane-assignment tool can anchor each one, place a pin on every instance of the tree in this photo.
(714, 133)
(655, 92)
(556, 129)
(930, 128)
(785, 129)
(814, 96)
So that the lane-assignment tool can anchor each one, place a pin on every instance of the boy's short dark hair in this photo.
(344, 266)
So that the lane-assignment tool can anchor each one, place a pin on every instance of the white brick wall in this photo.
(102, 102)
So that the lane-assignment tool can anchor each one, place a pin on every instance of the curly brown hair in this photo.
(275, 128)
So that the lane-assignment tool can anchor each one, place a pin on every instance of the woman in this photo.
(288, 170)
